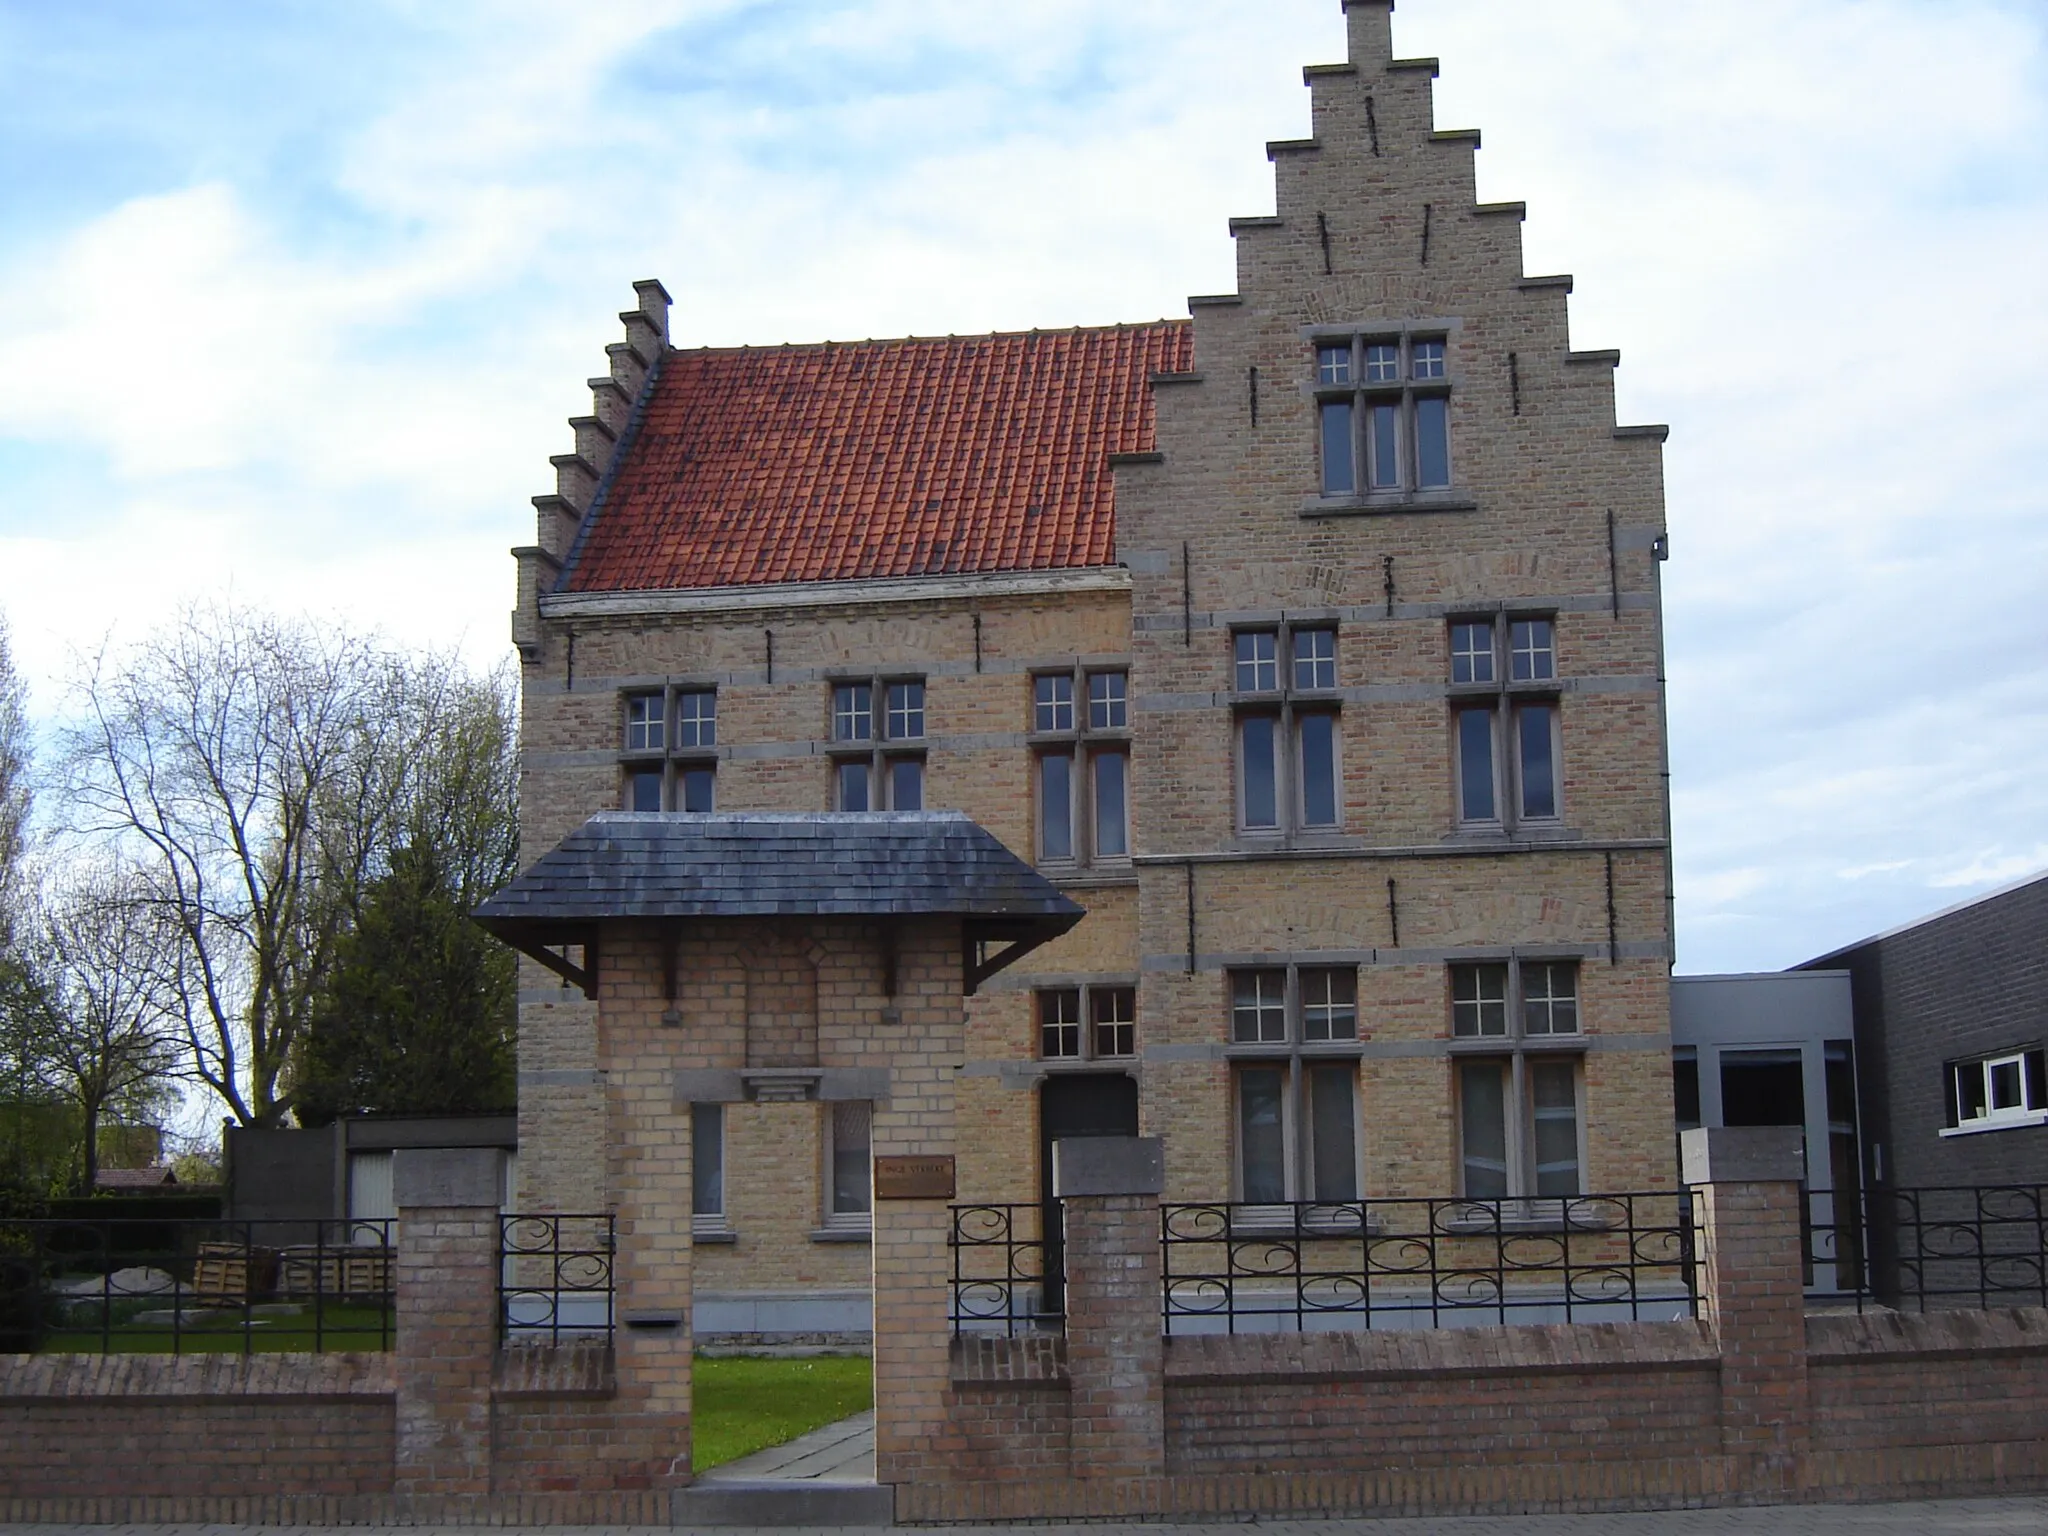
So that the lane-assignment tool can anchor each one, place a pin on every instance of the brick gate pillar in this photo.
(1109, 1190)
(447, 1335)
(1753, 1293)
(922, 1042)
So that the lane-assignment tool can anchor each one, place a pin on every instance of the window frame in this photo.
(2032, 1065)
(1086, 995)
(1298, 1059)
(1354, 387)
(834, 1219)
(1520, 1052)
(708, 1219)
(1288, 703)
(1083, 743)
(1501, 700)
(670, 761)
(879, 750)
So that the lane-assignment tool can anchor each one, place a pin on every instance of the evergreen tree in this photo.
(417, 1014)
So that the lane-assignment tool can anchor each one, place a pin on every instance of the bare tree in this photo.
(262, 771)
(91, 1021)
(14, 782)
(207, 751)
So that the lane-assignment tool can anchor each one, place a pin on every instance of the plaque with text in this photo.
(914, 1178)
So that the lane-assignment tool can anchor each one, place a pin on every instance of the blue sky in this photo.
(294, 298)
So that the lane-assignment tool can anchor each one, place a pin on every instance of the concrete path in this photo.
(838, 1453)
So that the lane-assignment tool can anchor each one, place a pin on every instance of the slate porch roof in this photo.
(669, 865)
(849, 460)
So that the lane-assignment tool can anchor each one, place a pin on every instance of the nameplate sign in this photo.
(914, 1178)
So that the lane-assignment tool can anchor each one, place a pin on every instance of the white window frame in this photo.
(2031, 1110)
(1066, 726)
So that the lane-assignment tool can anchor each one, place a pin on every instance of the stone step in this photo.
(804, 1502)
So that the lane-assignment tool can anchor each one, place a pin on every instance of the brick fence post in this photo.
(447, 1317)
(1109, 1188)
(1752, 1293)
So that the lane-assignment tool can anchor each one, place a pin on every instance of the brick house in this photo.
(1312, 644)
(1951, 1042)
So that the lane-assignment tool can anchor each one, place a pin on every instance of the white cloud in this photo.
(1811, 225)
(1992, 866)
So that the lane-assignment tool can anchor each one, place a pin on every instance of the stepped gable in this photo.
(851, 460)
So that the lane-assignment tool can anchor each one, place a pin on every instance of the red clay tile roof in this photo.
(879, 458)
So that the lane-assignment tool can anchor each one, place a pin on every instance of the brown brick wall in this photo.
(1346, 1402)
(193, 1425)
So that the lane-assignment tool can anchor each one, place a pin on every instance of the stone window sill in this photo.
(842, 1235)
(1386, 506)
(2038, 1117)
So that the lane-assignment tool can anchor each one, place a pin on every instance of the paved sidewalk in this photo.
(842, 1452)
(1949, 1517)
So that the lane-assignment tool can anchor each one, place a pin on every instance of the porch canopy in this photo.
(671, 867)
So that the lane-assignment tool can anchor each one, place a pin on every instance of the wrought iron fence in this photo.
(184, 1286)
(1236, 1268)
(1837, 1250)
(999, 1270)
(555, 1277)
(1944, 1248)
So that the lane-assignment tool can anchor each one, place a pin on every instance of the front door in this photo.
(1077, 1104)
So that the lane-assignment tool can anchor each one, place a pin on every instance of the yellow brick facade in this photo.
(1552, 511)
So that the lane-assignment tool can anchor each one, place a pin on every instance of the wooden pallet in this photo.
(227, 1274)
(308, 1272)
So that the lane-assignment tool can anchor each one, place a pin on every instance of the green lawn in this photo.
(343, 1325)
(746, 1403)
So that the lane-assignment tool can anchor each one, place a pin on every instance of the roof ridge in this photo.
(966, 336)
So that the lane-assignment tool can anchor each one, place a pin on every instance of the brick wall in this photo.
(193, 1425)
(1531, 1396)
(1967, 983)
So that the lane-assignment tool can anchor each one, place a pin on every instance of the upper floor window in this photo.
(877, 745)
(2009, 1089)
(664, 770)
(1094, 1022)
(1081, 756)
(1506, 747)
(1383, 406)
(1286, 727)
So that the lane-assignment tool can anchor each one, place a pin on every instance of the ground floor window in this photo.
(1297, 1131)
(848, 1148)
(1518, 1126)
(707, 1166)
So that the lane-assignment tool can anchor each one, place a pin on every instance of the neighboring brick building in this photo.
(1951, 1023)
(1312, 644)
